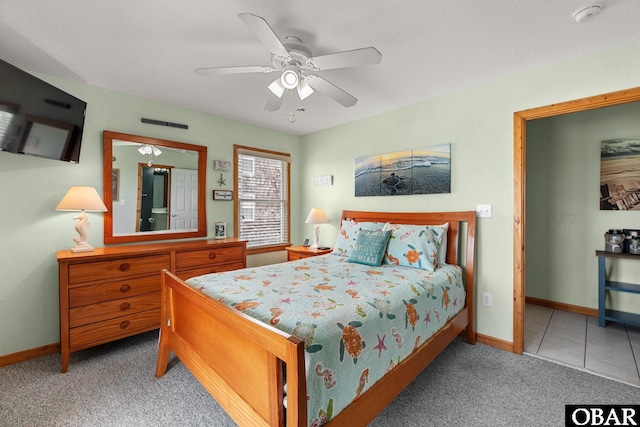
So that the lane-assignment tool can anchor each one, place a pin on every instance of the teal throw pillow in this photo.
(370, 247)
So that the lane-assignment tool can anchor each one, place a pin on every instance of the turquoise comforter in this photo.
(357, 321)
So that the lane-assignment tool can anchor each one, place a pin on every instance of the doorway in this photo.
(519, 149)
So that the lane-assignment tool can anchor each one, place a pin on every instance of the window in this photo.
(248, 209)
(248, 166)
(261, 207)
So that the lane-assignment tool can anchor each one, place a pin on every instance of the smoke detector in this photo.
(587, 13)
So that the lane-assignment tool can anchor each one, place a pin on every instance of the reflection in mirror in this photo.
(154, 189)
(152, 205)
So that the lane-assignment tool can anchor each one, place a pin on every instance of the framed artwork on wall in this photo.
(620, 174)
(222, 195)
(221, 165)
(417, 171)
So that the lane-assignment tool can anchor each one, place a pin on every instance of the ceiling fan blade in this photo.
(348, 58)
(263, 31)
(233, 70)
(331, 90)
(273, 102)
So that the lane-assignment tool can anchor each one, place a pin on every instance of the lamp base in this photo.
(82, 227)
(316, 236)
(82, 247)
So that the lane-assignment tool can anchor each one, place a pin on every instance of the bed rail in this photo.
(239, 360)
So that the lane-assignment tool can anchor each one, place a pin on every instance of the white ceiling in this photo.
(150, 48)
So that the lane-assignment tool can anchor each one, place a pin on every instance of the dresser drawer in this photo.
(203, 257)
(109, 330)
(111, 309)
(117, 268)
(187, 274)
(91, 294)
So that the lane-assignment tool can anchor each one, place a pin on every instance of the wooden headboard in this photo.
(455, 220)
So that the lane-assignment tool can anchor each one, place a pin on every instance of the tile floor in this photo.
(577, 340)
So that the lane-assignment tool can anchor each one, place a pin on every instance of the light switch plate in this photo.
(483, 211)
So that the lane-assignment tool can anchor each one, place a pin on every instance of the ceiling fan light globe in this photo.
(156, 151)
(289, 79)
(145, 149)
(276, 88)
(304, 90)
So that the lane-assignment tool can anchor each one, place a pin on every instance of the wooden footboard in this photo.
(239, 360)
(236, 358)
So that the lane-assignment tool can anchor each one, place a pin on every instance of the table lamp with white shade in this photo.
(316, 216)
(81, 199)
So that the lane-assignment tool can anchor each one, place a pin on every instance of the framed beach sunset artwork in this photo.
(418, 171)
(620, 174)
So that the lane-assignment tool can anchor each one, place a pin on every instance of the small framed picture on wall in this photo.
(222, 195)
(221, 165)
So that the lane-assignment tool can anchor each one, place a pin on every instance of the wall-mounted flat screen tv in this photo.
(37, 118)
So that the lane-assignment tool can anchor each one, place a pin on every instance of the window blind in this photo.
(262, 198)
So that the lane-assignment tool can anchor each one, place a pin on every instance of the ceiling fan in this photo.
(296, 65)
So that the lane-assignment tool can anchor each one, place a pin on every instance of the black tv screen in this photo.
(37, 118)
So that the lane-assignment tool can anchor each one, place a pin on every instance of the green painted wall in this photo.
(478, 122)
(30, 189)
(564, 222)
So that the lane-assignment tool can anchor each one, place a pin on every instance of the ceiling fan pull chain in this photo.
(291, 116)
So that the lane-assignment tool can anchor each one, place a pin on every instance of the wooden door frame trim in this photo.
(520, 119)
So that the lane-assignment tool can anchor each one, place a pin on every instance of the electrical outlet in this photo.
(486, 299)
(483, 211)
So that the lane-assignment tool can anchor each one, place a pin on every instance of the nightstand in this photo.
(297, 252)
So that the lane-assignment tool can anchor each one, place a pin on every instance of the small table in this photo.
(297, 252)
(605, 285)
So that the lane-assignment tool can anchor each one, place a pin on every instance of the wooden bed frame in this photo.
(239, 359)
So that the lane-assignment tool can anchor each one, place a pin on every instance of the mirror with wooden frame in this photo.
(154, 189)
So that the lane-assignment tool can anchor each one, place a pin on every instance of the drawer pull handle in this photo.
(212, 255)
(125, 306)
(125, 266)
(125, 288)
(124, 324)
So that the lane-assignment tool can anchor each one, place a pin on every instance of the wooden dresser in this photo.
(114, 292)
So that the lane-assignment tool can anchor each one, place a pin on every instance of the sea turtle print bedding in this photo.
(357, 321)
